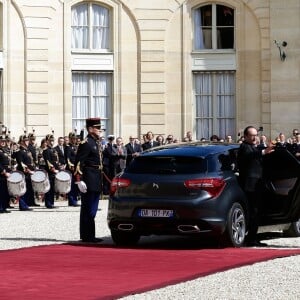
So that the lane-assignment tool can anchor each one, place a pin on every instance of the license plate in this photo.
(156, 213)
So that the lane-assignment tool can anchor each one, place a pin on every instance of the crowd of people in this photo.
(54, 155)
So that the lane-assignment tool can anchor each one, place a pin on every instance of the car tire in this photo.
(235, 232)
(294, 230)
(121, 238)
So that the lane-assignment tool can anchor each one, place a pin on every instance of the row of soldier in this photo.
(26, 157)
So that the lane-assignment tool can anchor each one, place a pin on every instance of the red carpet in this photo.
(79, 272)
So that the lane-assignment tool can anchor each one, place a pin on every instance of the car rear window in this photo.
(167, 165)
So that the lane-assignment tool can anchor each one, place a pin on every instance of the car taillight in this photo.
(118, 183)
(213, 186)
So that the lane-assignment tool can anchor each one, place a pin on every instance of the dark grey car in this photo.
(193, 189)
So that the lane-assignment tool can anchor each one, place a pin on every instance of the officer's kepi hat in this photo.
(93, 122)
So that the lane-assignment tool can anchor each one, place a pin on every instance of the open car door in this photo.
(281, 196)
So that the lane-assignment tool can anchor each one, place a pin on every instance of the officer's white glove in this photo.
(82, 186)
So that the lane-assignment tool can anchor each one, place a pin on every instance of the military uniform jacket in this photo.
(4, 162)
(24, 160)
(51, 160)
(70, 155)
(33, 151)
(88, 164)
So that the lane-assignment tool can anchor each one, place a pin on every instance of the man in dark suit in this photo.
(250, 176)
(108, 163)
(295, 147)
(133, 149)
(88, 177)
(60, 149)
(281, 143)
(150, 141)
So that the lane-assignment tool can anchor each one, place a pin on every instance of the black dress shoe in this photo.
(74, 205)
(256, 244)
(93, 241)
(26, 209)
(5, 211)
(35, 204)
(51, 207)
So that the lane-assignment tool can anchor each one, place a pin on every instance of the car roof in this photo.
(197, 149)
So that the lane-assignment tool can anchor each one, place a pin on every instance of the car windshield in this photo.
(167, 165)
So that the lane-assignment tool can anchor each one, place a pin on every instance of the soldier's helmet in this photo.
(23, 138)
(49, 137)
(31, 136)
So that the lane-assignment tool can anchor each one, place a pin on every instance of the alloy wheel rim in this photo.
(238, 226)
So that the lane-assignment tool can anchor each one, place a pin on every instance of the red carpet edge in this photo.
(106, 272)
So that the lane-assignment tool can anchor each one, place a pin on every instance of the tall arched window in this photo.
(90, 27)
(92, 78)
(213, 27)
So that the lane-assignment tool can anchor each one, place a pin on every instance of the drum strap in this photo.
(106, 177)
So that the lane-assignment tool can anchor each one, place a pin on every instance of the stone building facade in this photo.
(168, 66)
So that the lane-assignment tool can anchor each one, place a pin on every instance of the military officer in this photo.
(32, 147)
(4, 174)
(50, 157)
(88, 176)
(70, 154)
(9, 150)
(25, 165)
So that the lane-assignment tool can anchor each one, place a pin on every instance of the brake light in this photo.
(214, 186)
(118, 183)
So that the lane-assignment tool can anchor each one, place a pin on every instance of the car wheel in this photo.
(235, 232)
(294, 230)
(121, 238)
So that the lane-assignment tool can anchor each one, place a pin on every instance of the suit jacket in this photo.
(147, 145)
(136, 148)
(249, 161)
(61, 155)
